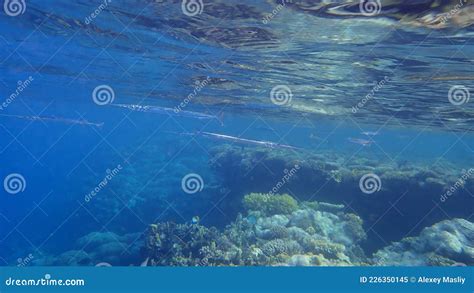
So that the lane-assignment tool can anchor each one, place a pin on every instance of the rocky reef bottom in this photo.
(278, 231)
(273, 230)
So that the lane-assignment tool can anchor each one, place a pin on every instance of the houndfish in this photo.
(360, 141)
(246, 141)
(169, 111)
(54, 119)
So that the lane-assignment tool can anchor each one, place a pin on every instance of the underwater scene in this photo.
(236, 133)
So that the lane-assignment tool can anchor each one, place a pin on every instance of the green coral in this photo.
(270, 204)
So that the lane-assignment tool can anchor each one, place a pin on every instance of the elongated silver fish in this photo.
(239, 140)
(169, 111)
(360, 141)
(54, 119)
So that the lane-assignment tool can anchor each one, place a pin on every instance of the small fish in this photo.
(54, 119)
(195, 220)
(170, 111)
(370, 133)
(360, 141)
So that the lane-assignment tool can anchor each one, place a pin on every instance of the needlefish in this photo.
(54, 119)
(169, 111)
(245, 141)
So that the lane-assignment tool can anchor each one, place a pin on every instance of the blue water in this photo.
(152, 54)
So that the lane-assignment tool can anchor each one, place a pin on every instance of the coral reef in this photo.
(274, 231)
(406, 186)
(446, 243)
